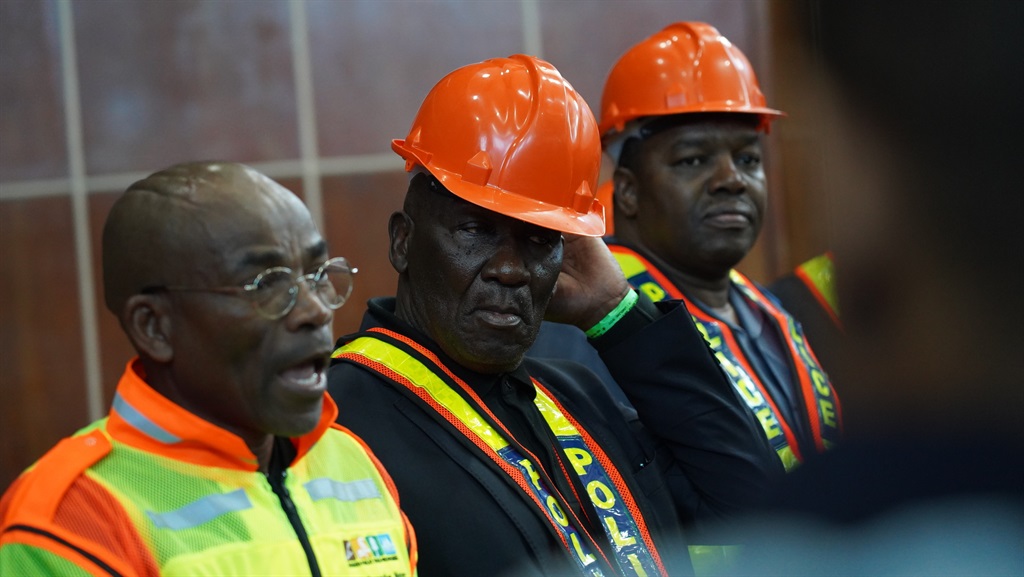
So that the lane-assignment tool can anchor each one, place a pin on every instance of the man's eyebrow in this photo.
(316, 250)
(752, 138)
(272, 257)
(262, 258)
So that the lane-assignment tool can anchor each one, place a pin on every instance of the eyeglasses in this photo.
(273, 292)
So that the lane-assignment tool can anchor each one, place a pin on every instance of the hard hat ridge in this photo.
(512, 135)
(685, 67)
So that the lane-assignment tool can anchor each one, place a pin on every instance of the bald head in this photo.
(166, 223)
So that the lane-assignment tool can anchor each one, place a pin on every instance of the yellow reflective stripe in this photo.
(789, 460)
(555, 419)
(416, 373)
(711, 560)
(420, 376)
(630, 265)
(819, 397)
(633, 547)
(820, 271)
(756, 401)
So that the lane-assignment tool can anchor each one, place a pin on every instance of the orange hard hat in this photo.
(513, 136)
(686, 67)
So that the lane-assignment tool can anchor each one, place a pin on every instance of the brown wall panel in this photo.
(356, 213)
(42, 382)
(163, 82)
(31, 108)
(373, 62)
(584, 38)
(768, 259)
(798, 144)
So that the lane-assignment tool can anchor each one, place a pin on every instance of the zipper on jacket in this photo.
(277, 485)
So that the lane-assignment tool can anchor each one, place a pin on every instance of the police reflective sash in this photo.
(434, 384)
(821, 403)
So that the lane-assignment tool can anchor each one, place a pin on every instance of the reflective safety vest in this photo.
(441, 391)
(820, 401)
(818, 275)
(131, 496)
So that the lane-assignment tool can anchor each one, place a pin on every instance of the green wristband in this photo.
(609, 320)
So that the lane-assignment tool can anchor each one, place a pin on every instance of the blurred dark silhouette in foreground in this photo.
(924, 140)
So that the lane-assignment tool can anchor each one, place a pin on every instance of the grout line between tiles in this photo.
(80, 212)
(305, 104)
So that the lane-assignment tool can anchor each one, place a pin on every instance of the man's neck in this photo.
(264, 451)
(709, 289)
(712, 293)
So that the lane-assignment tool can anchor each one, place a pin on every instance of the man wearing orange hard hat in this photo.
(682, 116)
(509, 465)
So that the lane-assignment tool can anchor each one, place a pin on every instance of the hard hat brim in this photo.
(508, 203)
(613, 126)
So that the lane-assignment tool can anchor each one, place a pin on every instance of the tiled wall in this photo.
(96, 94)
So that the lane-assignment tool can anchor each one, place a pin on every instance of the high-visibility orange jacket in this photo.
(154, 490)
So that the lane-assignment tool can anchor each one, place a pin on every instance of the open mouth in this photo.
(307, 375)
(500, 317)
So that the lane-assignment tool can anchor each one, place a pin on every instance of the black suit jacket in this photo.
(698, 456)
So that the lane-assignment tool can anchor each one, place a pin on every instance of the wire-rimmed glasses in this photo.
(273, 292)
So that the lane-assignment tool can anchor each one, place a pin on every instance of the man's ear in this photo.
(147, 321)
(400, 228)
(624, 198)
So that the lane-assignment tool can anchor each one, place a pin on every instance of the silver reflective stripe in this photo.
(133, 417)
(325, 488)
(199, 512)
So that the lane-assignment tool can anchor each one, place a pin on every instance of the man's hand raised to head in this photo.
(590, 285)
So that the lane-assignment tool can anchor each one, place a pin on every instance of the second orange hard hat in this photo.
(686, 67)
(513, 136)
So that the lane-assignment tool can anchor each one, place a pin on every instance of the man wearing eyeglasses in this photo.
(219, 454)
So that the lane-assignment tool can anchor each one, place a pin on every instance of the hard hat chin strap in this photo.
(647, 126)
(615, 142)
(640, 128)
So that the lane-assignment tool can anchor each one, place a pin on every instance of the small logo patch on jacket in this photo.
(370, 549)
